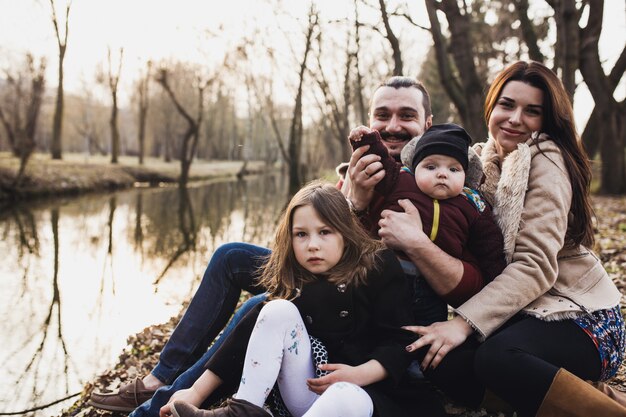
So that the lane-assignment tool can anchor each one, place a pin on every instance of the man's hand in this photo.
(189, 395)
(364, 172)
(442, 338)
(401, 230)
(364, 374)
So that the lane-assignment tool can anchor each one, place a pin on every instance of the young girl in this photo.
(329, 280)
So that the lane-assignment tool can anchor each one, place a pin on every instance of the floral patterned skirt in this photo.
(606, 329)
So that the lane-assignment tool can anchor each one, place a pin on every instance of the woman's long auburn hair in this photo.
(558, 123)
(283, 276)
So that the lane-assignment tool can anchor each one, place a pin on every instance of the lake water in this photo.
(79, 275)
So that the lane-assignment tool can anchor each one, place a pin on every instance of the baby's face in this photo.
(440, 176)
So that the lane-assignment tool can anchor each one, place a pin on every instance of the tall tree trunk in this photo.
(528, 31)
(295, 130)
(567, 48)
(115, 133)
(57, 123)
(613, 115)
(191, 135)
(593, 133)
(28, 143)
(141, 136)
(143, 88)
(360, 101)
(21, 124)
(114, 79)
(466, 89)
(393, 40)
(463, 54)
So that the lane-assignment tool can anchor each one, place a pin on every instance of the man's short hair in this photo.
(398, 81)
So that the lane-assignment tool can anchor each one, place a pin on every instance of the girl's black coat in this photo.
(355, 323)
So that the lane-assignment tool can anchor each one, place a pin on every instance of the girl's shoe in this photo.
(234, 408)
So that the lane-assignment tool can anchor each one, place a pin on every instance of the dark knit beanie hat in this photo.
(444, 139)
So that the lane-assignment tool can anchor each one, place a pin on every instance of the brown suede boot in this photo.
(570, 396)
(613, 393)
(234, 408)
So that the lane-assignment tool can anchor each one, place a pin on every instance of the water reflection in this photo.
(80, 275)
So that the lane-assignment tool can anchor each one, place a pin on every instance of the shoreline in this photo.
(78, 174)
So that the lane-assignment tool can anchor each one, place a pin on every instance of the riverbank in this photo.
(80, 173)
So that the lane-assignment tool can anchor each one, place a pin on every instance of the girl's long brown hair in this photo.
(558, 123)
(283, 276)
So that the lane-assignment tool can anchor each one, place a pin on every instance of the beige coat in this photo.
(531, 195)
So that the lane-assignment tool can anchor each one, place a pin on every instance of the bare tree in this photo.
(21, 124)
(360, 102)
(294, 146)
(143, 92)
(393, 40)
(337, 109)
(191, 134)
(90, 124)
(593, 134)
(57, 130)
(613, 112)
(528, 30)
(567, 48)
(460, 80)
(113, 79)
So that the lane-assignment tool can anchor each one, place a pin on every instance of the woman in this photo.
(552, 318)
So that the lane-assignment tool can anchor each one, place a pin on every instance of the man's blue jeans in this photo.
(231, 269)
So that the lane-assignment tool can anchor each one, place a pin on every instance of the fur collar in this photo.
(505, 188)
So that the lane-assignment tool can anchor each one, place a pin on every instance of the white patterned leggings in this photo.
(280, 351)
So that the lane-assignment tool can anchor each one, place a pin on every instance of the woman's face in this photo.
(517, 114)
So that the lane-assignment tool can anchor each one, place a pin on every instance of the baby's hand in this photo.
(357, 133)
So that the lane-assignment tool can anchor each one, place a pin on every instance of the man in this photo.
(400, 109)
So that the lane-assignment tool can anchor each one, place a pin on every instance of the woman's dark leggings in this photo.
(518, 363)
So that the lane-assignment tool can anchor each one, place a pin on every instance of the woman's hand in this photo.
(364, 374)
(189, 395)
(442, 338)
(401, 230)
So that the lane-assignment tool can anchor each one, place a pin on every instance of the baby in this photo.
(456, 218)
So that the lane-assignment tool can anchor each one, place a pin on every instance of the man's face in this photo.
(398, 114)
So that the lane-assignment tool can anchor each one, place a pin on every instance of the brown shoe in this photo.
(234, 408)
(126, 398)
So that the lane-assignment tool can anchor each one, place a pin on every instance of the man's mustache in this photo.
(404, 137)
